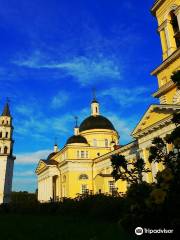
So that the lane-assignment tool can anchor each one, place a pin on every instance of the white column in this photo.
(50, 187)
(171, 44)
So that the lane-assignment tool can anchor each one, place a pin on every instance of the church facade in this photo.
(83, 164)
(6, 155)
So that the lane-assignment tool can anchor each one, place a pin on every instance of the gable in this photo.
(40, 167)
(155, 114)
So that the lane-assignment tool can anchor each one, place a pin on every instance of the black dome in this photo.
(96, 122)
(51, 155)
(76, 139)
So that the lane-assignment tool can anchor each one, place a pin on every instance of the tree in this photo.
(176, 78)
(132, 172)
(158, 152)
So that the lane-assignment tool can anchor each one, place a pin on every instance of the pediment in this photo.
(41, 166)
(155, 114)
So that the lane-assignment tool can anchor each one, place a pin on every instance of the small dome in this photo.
(51, 155)
(96, 122)
(77, 139)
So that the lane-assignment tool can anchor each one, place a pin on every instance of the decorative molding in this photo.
(177, 11)
(137, 131)
(166, 87)
(175, 55)
(176, 98)
(156, 5)
(153, 127)
(163, 25)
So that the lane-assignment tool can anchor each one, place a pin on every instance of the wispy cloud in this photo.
(122, 126)
(127, 96)
(24, 173)
(60, 99)
(32, 157)
(82, 68)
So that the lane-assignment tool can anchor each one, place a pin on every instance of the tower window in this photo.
(106, 143)
(6, 135)
(5, 149)
(95, 142)
(175, 27)
(0, 134)
(96, 109)
(82, 154)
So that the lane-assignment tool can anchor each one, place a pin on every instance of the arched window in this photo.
(0, 134)
(175, 27)
(106, 142)
(95, 142)
(6, 135)
(0, 149)
(5, 150)
(83, 177)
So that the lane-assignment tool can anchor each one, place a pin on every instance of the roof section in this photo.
(6, 111)
(50, 162)
(156, 5)
(96, 122)
(77, 139)
(153, 115)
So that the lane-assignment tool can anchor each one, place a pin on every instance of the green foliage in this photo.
(23, 197)
(176, 78)
(128, 171)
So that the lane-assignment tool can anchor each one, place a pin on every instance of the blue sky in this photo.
(54, 52)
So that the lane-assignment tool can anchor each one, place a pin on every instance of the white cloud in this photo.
(126, 96)
(32, 157)
(24, 173)
(82, 69)
(24, 110)
(60, 99)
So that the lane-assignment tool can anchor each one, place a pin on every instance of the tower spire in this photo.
(94, 95)
(76, 128)
(76, 121)
(94, 104)
(6, 110)
(55, 145)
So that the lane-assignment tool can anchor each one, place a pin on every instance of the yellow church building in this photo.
(83, 164)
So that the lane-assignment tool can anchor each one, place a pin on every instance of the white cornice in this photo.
(169, 85)
(156, 5)
(137, 131)
(154, 127)
(166, 62)
(117, 151)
